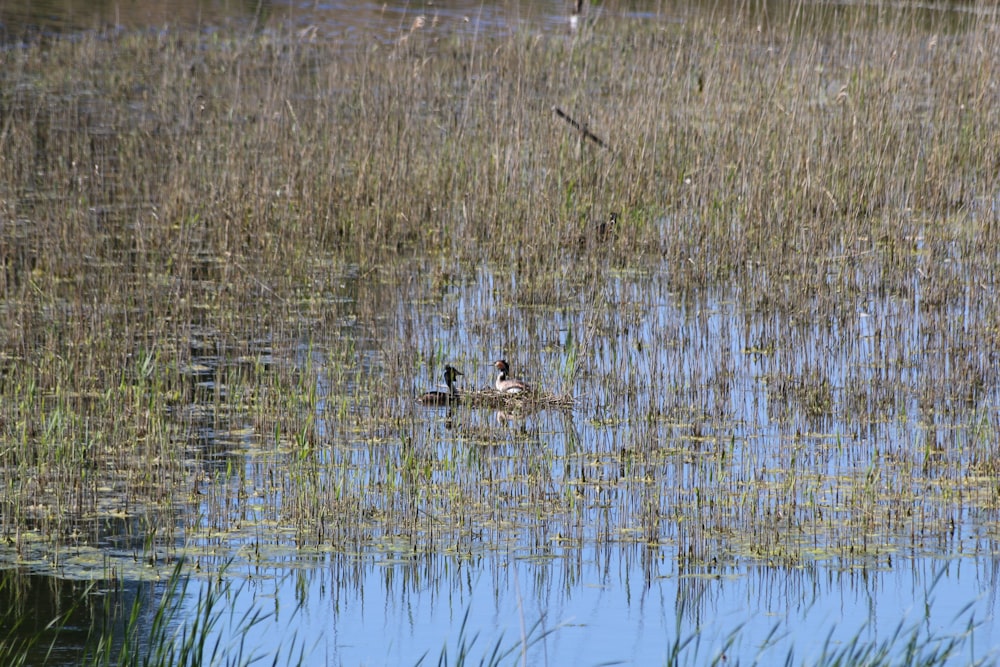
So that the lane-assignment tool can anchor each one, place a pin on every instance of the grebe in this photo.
(508, 385)
(449, 397)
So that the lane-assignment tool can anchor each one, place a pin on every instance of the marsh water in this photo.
(717, 466)
(569, 540)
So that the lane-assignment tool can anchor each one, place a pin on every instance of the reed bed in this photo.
(231, 261)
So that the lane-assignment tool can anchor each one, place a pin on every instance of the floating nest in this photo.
(491, 398)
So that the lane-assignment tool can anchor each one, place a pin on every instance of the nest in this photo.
(491, 398)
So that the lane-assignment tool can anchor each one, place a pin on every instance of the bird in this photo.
(449, 397)
(508, 385)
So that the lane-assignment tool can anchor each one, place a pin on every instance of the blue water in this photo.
(612, 606)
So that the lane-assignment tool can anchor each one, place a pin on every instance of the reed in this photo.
(230, 260)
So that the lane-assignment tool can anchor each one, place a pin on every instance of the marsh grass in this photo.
(165, 624)
(209, 634)
(228, 259)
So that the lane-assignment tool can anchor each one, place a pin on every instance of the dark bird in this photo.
(449, 397)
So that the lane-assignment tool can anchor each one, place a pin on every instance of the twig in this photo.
(587, 134)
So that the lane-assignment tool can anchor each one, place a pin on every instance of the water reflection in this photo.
(59, 618)
(611, 603)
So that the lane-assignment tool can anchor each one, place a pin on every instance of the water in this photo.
(606, 581)
(598, 606)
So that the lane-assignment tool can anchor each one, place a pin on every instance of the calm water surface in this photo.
(601, 609)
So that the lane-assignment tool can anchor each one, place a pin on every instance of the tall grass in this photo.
(213, 246)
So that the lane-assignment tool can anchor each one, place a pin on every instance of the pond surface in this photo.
(599, 608)
(752, 476)
(566, 537)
